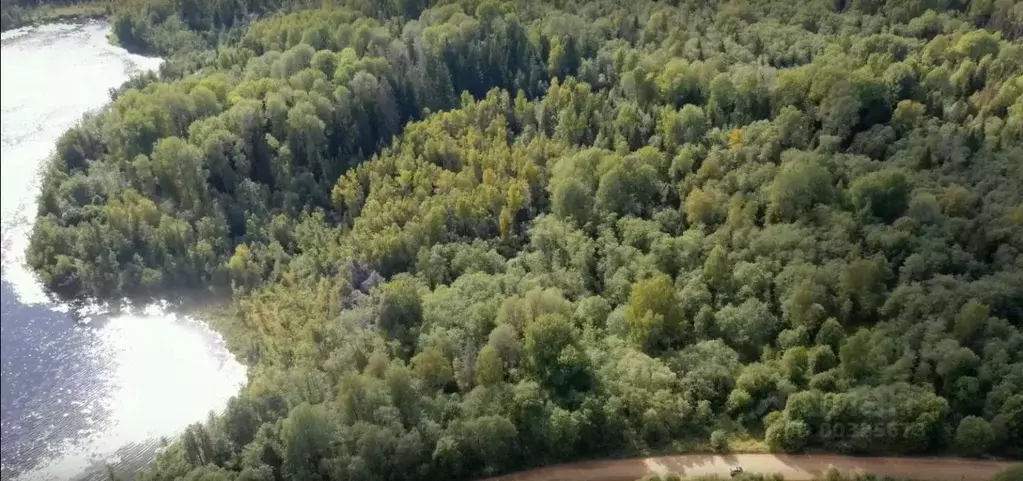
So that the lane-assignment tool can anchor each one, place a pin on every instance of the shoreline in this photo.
(217, 311)
(80, 13)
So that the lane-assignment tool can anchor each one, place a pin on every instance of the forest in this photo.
(467, 237)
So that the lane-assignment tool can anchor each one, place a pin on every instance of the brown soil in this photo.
(793, 467)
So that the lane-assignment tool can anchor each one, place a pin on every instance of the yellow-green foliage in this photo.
(471, 237)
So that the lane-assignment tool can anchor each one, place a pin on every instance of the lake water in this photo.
(78, 395)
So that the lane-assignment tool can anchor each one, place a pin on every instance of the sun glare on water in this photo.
(131, 378)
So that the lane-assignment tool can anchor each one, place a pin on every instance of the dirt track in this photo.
(802, 467)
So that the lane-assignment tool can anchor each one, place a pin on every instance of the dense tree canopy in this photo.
(473, 236)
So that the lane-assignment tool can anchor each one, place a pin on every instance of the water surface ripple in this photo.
(77, 395)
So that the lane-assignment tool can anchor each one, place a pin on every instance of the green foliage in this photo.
(653, 314)
(882, 194)
(489, 369)
(787, 435)
(473, 237)
(1014, 471)
(974, 436)
(719, 441)
(306, 437)
(18, 13)
(432, 369)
